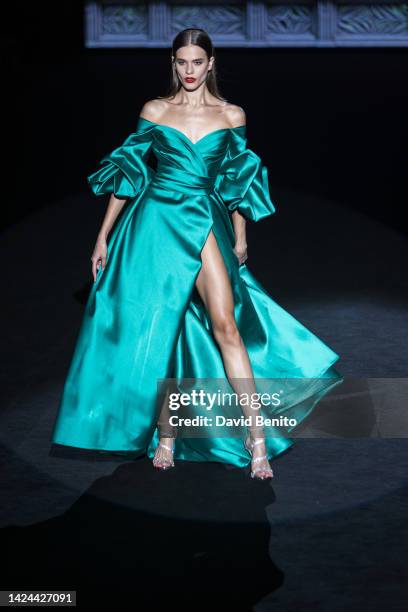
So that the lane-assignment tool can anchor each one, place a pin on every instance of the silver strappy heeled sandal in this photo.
(249, 447)
(165, 464)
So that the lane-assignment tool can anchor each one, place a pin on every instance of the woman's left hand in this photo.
(240, 251)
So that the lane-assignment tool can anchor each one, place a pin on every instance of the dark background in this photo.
(329, 122)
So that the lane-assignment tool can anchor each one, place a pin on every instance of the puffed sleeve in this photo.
(242, 182)
(124, 171)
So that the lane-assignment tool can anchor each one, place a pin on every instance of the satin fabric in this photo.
(144, 320)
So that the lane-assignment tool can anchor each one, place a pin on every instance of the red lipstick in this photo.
(190, 79)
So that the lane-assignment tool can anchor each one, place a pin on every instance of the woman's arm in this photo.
(239, 224)
(98, 258)
(115, 205)
(237, 117)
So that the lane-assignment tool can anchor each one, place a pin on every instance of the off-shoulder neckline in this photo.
(169, 127)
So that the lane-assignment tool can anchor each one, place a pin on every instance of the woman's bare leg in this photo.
(163, 457)
(213, 285)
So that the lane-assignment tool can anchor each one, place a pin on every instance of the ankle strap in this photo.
(166, 447)
(258, 441)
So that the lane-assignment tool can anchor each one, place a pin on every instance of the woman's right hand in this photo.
(99, 255)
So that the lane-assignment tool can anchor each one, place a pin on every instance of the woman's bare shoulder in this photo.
(153, 109)
(235, 115)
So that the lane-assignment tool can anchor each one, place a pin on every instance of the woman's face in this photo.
(192, 65)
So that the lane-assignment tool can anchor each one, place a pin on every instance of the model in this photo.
(172, 295)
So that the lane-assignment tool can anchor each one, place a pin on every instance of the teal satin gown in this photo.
(144, 320)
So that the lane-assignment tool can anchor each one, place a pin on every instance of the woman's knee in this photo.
(226, 331)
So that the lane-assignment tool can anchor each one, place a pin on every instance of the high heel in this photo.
(168, 463)
(249, 447)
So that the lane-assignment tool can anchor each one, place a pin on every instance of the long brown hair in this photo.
(199, 37)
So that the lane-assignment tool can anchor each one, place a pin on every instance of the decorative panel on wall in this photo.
(279, 23)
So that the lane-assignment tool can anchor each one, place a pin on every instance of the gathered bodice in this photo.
(217, 164)
(185, 165)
